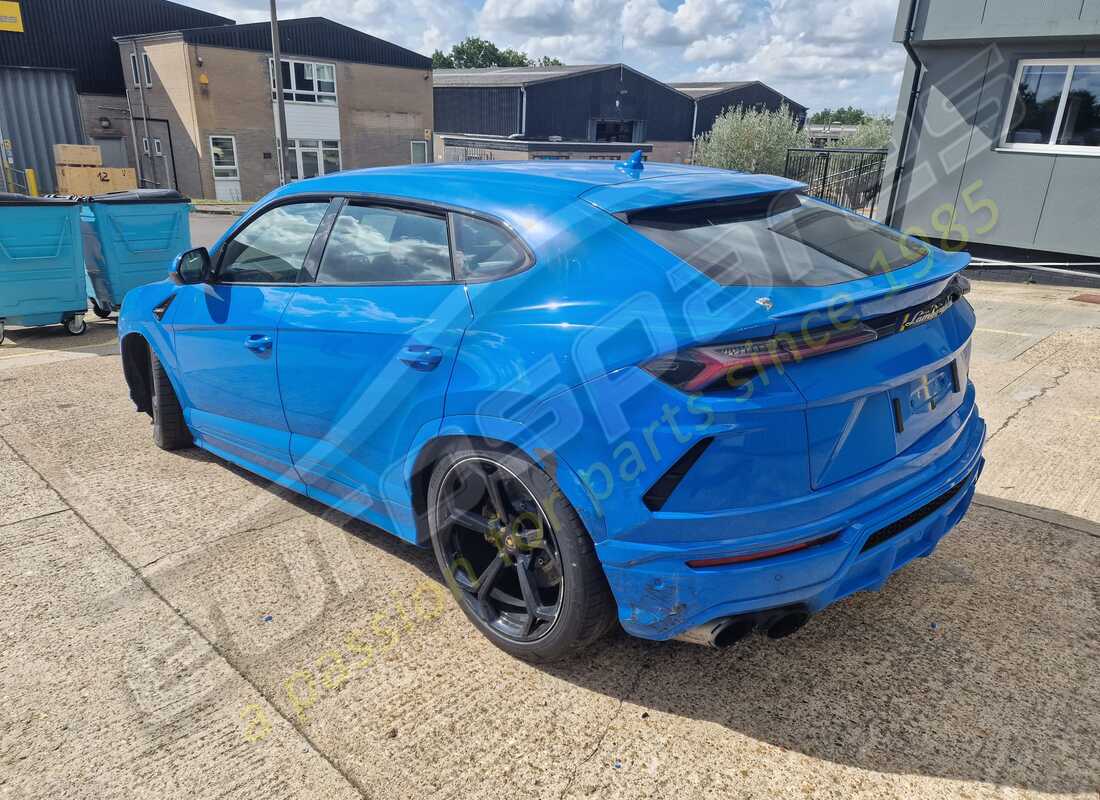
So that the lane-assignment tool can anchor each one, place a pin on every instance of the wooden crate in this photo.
(78, 155)
(94, 180)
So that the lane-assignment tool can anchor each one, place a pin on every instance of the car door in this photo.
(226, 340)
(365, 356)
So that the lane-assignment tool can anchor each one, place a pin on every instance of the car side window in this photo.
(273, 247)
(380, 244)
(486, 250)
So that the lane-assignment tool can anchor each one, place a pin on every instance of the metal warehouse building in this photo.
(712, 98)
(588, 111)
(604, 104)
(61, 79)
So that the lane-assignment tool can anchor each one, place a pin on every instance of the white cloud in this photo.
(818, 52)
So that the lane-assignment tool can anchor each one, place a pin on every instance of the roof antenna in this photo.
(635, 164)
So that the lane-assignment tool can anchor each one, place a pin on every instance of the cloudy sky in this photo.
(818, 52)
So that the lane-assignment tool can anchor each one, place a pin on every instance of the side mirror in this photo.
(192, 266)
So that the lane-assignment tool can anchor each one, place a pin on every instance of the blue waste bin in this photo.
(41, 263)
(131, 239)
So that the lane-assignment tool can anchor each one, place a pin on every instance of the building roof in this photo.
(510, 76)
(700, 89)
(78, 35)
(704, 88)
(316, 37)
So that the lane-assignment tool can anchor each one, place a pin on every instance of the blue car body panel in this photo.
(348, 441)
(549, 361)
(224, 341)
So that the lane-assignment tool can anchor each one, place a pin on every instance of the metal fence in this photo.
(846, 176)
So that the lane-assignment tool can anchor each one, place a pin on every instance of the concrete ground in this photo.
(174, 627)
(1036, 365)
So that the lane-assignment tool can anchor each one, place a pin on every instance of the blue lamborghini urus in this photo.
(693, 402)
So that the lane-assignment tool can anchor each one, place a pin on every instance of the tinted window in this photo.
(273, 247)
(1081, 118)
(486, 250)
(375, 244)
(1037, 100)
(777, 240)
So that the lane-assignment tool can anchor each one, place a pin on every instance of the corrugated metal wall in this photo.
(754, 95)
(76, 34)
(564, 107)
(495, 111)
(38, 108)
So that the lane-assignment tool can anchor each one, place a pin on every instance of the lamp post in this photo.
(280, 122)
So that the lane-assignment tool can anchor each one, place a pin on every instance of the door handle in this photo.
(258, 343)
(421, 357)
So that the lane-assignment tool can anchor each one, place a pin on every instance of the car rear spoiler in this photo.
(685, 189)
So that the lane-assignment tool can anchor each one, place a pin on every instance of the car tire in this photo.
(585, 608)
(170, 432)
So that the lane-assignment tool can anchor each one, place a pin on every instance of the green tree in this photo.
(474, 52)
(871, 133)
(750, 140)
(441, 60)
(849, 115)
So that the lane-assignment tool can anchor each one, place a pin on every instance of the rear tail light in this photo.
(714, 366)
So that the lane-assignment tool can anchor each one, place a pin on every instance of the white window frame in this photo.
(1051, 146)
(158, 150)
(294, 152)
(412, 151)
(145, 145)
(148, 69)
(293, 90)
(236, 159)
(134, 70)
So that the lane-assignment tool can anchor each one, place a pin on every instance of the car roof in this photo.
(523, 192)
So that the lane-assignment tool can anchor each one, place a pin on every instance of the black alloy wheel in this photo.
(500, 552)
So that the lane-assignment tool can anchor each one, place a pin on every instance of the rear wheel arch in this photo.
(563, 476)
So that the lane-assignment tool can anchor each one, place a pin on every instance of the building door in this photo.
(227, 176)
(309, 158)
(616, 130)
(113, 149)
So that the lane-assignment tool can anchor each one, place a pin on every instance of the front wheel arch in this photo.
(135, 368)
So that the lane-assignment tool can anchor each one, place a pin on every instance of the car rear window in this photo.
(783, 239)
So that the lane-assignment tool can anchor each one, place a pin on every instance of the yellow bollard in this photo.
(32, 183)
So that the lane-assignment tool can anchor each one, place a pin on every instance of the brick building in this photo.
(203, 104)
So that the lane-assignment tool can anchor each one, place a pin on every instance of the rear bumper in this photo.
(659, 596)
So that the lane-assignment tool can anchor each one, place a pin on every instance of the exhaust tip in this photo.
(732, 632)
(787, 624)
